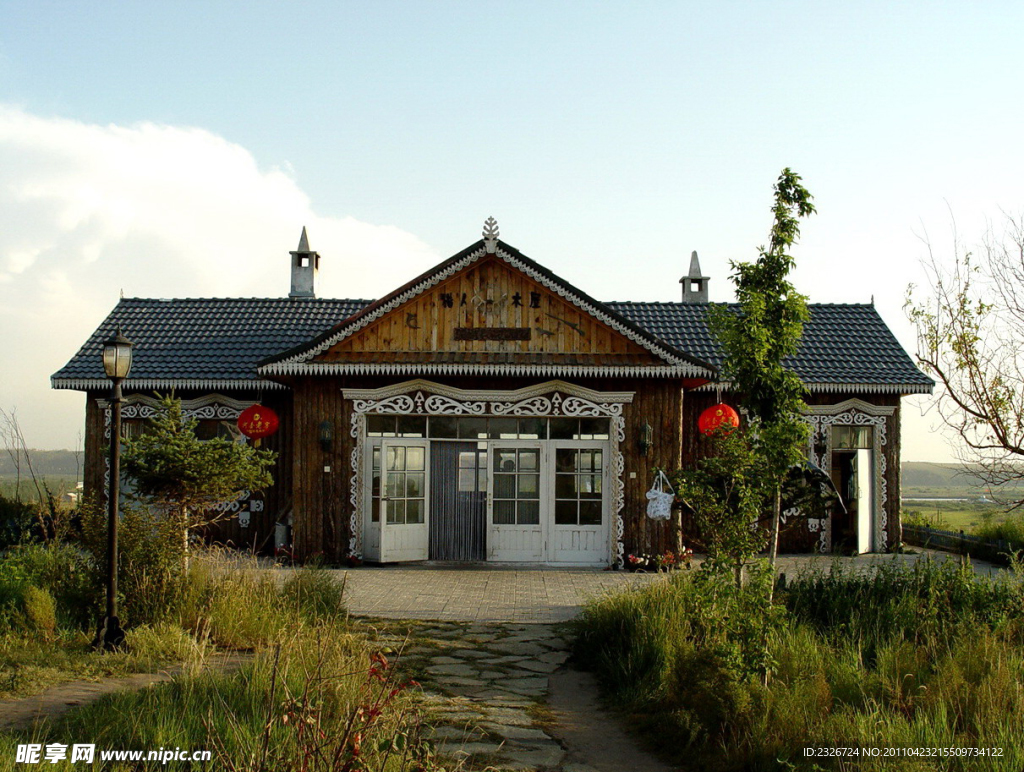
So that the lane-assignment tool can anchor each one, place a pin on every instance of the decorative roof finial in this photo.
(303, 241)
(490, 235)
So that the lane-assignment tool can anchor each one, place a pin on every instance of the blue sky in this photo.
(178, 148)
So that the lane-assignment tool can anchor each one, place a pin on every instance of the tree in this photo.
(725, 492)
(174, 469)
(970, 330)
(757, 338)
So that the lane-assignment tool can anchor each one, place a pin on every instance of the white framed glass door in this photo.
(516, 512)
(404, 503)
(581, 522)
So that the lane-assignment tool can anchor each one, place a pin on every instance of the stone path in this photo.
(483, 688)
(485, 695)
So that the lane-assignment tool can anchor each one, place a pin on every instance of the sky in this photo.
(177, 149)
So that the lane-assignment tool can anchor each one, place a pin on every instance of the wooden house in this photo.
(488, 410)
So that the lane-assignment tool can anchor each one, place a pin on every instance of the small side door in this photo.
(404, 510)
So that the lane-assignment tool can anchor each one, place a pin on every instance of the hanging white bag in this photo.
(659, 501)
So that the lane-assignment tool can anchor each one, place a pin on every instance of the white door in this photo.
(516, 524)
(580, 527)
(865, 501)
(404, 515)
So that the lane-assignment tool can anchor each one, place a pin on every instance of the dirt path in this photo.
(58, 700)
(591, 737)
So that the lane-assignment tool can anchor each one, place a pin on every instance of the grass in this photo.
(318, 694)
(714, 678)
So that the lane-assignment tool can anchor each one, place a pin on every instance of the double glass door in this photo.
(499, 500)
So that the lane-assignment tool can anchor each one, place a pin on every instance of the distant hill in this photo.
(44, 462)
(923, 474)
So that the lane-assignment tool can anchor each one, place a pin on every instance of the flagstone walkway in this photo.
(485, 697)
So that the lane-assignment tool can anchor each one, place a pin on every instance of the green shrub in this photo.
(62, 570)
(315, 593)
(40, 611)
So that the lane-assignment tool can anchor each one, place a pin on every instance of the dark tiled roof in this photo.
(204, 339)
(841, 344)
(211, 342)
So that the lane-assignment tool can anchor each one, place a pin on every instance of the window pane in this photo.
(564, 428)
(444, 426)
(505, 461)
(594, 428)
(504, 512)
(565, 486)
(565, 513)
(414, 511)
(467, 460)
(380, 426)
(412, 426)
(376, 459)
(528, 460)
(414, 458)
(467, 480)
(375, 483)
(396, 459)
(565, 460)
(504, 486)
(589, 486)
(473, 428)
(414, 485)
(529, 512)
(528, 486)
(590, 513)
(396, 485)
(375, 511)
(504, 428)
(533, 428)
(396, 511)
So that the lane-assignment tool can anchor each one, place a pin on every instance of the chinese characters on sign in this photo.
(448, 299)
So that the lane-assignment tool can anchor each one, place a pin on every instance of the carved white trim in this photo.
(853, 412)
(103, 384)
(496, 395)
(532, 370)
(490, 235)
(551, 399)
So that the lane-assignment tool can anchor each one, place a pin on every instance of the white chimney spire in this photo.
(305, 266)
(695, 283)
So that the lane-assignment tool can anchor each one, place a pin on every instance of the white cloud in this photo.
(87, 211)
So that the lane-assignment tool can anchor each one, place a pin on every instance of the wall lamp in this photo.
(646, 440)
(326, 436)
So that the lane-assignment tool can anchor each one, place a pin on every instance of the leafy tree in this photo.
(725, 492)
(970, 327)
(174, 469)
(756, 338)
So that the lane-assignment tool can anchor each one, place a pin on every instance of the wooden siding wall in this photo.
(320, 498)
(426, 324)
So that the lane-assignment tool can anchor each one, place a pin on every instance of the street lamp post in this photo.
(117, 362)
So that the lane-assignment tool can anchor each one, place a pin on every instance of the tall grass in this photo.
(923, 656)
(317, 700)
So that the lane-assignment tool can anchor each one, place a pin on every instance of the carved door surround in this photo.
(852, 412)
(550, 399)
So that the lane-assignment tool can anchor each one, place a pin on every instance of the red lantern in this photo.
(258, 421)
(717, 416)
